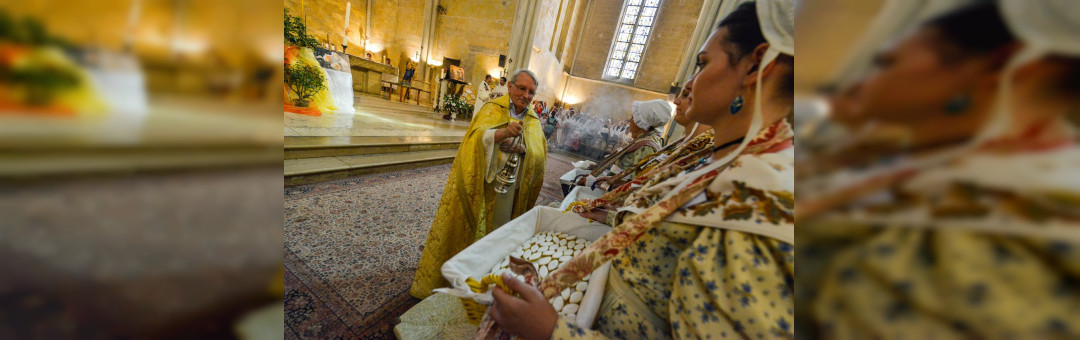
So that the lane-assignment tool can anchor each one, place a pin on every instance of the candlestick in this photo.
(345, 35)
(133, 18)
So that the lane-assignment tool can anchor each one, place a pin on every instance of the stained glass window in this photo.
(637, 21)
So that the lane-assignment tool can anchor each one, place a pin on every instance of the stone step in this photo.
(394, 107)
(33, 164)
(321, 169)
(315, 147)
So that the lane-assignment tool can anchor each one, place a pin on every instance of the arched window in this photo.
(638, 19)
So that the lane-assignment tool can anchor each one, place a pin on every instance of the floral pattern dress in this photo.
(985, 247)
(694, 275)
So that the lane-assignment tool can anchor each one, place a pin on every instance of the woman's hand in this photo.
(602, 180)
(596, 215)
(529, 317)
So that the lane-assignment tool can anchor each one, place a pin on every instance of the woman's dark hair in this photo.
(1070, 80)
(972, 30)
(787, 83)
(744, 30)
(744, 35)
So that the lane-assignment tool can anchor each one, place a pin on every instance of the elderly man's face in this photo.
(522, 89)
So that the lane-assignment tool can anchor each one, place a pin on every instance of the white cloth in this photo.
(580, 193)
(777, 19)
(1045, 27)
(479, 258)
(494, 160)
(340, 85)
(483, 93)
(651, 114)
(499, 91)
(124, 91)
(1050, 24)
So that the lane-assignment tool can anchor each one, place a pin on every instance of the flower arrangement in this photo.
(455, 104)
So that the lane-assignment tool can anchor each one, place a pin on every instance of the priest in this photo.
(483, 94)
(470, 206)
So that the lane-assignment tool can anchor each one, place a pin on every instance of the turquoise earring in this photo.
(958, 104)
(736, 105)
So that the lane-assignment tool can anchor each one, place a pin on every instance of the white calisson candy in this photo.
(570, 309)
(548, 251)
(581, 286)
(576, 297)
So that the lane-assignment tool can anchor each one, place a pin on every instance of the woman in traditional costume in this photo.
(709, 251)
(646, 120)
(695, 145)
(977, 235)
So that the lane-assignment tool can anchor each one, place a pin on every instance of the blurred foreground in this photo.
(140, 169)
(937, 169)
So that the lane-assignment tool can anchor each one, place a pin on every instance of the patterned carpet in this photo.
(352, 247)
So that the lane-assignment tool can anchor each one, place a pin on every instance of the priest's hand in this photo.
(510, 131)
(529, 317)
(507, 146)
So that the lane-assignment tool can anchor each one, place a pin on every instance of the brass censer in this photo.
(508, 175)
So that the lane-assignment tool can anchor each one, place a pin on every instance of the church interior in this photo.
(363, 182)
(539, 169)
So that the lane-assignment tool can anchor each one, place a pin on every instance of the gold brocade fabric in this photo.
(440, 316)
(467, 207)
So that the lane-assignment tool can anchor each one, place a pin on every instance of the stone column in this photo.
(427, 40)
(523, 34)
(573, 31)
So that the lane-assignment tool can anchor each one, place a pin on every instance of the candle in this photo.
(133, 15)
(344, 36)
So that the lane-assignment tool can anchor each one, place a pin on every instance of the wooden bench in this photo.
(403, 90)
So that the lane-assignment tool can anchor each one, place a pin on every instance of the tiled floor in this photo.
(375, 118)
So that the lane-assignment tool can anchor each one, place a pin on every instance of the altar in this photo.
(368, 75)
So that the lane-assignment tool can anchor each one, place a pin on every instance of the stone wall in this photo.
(667, 43)
(542, 61)
(475, 32)
(550, 72)
(396, 26)
(478, 31)
(606, 99)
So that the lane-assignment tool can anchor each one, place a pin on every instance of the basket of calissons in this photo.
(530, 248)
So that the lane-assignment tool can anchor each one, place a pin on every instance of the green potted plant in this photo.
(296, 32)
(305, 81)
